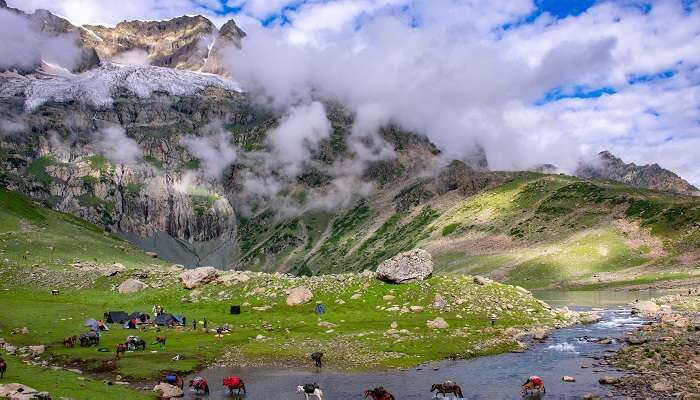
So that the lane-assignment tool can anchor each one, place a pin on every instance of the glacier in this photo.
(97, 86)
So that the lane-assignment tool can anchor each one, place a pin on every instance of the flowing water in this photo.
(492, 377)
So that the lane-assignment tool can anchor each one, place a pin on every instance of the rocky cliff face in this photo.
(189, 43)
(646, 176)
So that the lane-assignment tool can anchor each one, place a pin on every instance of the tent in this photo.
(138, 315)
(92, 323)
(180, 319)
(116, 317)
(167, 319)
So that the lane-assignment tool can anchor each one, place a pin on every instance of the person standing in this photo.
(205, 323)
(194, 324)
(493, 319)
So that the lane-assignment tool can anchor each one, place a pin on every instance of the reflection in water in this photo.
(493, 377)
(597, 298)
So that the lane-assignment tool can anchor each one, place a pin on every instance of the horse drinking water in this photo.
(379, 393)
(200, 384)
(447, 387)
(310, 389)
(234, 383)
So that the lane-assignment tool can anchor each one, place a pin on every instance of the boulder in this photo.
(233, 278)
(662, 387)
(152, 254)
(480, 280)
(114, 269)
(540, 333)
(131, 285)
(438, 302)
(18, 391)
(609, 380)
(416, 308)
(438, 323)
(645, 307)
(388, 297)
(589, 318)
(299, 295)
(36, 350)
(410, 266)
(567, 378)
(194, 278)
(168, 391)
(636, 340)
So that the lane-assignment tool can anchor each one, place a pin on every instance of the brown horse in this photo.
(121, 349)
(3, 368)
(447, 387)
(161, 341)
(200, 384)
(317, 356)
(69, 341)
(379, 393)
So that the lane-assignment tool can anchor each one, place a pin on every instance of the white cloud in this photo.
(117, 147)
(213, 149)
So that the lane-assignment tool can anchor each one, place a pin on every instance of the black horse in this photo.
(317, 358)
(89, 339)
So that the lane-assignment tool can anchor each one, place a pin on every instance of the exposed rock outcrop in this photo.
(194, 278)
(647, 176)
(410, 266)
(131, 285)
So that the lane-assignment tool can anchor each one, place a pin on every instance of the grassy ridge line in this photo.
(544, 230)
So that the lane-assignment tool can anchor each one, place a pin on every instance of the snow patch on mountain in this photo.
(97, 86)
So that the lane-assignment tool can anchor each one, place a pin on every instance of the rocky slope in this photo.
(645, 176)
(189, 42)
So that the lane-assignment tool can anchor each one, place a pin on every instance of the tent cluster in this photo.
(139, 317)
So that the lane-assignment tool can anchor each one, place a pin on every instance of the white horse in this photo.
(316, 392)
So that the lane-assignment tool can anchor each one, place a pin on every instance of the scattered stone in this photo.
(589, 318)
(131, 285)
(356, 296)
(194, 278)
(540, 333)
(438, 323)
(410, 266)
(36, 350)
(416, 308)
(636, 340)
(261, 308)
(567, 378)
(18, 391)
(609, 380)
(388, 297)
(480, 280)
(326, 324)
(152, 254)
(438, 302)
(394, 325)
(299, 295)
(233, 278)
(662, 387)
(24, 330)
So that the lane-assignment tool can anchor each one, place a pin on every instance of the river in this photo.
(492, 377)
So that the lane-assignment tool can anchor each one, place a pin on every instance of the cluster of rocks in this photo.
(663, 353)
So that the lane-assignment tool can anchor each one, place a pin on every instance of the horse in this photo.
(55, 292)
(200, 384)
(121, 349)
(89, 339)
(533, 383)
(161, 341)
(3, 368)
(317, 358)
(135, 343)
(447, 387)
(174, 380)
(69, 341)
(379, 393)
(310, 389)
(234, 383)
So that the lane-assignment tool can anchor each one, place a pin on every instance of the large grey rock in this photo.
(197, 277)
(168, 391)
(645, 307)
(37, 350)
(18, 391)
(131, 285)
(438, 323)
(299, 295)
(410, 266)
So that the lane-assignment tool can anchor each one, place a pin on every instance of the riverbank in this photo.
(663, 354)
(367, 324)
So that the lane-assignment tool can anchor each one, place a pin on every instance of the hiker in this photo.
(101, 326)
(132, 323)
(194, 324)
(205, 323)
(219, 332)
(493, 319)
(154, 310)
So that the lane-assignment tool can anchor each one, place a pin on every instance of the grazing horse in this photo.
(234, 383)
(3, 368)
(310, 389)
(200, 384)
(121, 349)
(379, 393)
(55, 292)
(447, 387)
(317, 358)
(69, 341)
(534, 383)
(133, 343)
(161, 341)
(89, 339)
